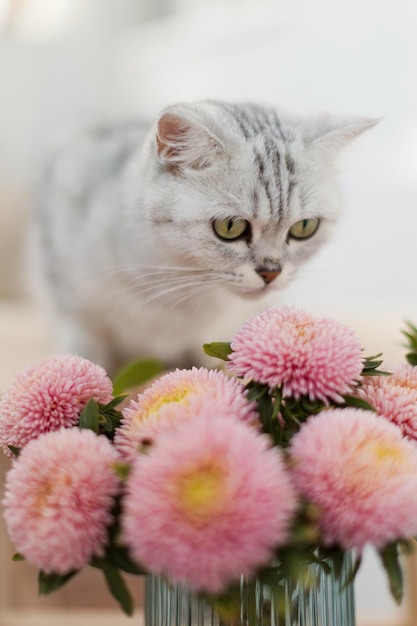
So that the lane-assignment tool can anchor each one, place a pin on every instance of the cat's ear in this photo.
(183, 142)
(329, 135)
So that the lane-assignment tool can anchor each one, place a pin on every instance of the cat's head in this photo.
(242, 192)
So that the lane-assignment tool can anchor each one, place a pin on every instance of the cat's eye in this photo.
(231, 228)
(304, 228)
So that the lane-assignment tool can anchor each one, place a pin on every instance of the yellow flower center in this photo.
(303, 330)
(175, 395)
(385, 452)
(376, 461)
(153, 405)
(202, 491)
(405, 382)
(50, 487)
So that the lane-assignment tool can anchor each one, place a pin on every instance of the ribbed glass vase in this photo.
(327, 602)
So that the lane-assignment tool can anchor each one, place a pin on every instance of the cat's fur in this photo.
(124, 224)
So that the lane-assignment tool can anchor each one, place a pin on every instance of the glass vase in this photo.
(318, 600)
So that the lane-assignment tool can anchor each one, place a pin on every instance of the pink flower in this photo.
(207, 503)
(176, 396)
(58, 498)
(395, 397)
(308, 356)
(48, 394)
(361, 473)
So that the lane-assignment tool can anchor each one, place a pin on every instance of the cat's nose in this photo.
(268, 275)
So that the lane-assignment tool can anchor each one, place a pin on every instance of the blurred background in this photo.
(69, 63)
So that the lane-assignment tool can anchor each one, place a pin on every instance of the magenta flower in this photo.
(306, 355)
(362, 475)
(48, 394)
(209, 501)
(58, 498)
(176, 396)
(395, 397)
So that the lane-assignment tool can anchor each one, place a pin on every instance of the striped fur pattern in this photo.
(125, 224)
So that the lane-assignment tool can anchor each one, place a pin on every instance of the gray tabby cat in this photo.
(151, 239)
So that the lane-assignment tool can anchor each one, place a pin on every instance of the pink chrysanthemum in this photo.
(58, 498)
(177, 396)
(307, 355)
(395, 397)
(361, 473)
(207, 503)
(47, 395)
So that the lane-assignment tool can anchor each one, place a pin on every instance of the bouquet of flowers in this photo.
(299, 451)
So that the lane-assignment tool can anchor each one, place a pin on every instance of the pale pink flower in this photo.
(176, 396)
(394, 397)
(361, 473)
(58, 499)
(207, 503)
(306, 355)
(47, 395)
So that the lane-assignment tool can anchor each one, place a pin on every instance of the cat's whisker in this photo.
(150, 284)
(174, 279)
(166, 291)
(161, 273)
(177, 301)
(142, 271)
(171, 288)
(92, 278)
(140, 285)
(130, 293)
(192, 289)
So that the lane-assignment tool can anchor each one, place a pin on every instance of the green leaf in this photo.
(227, 605)
(136, 374)
(15, 451)
(218, 349)
(371, 364)
(310, 407)
(324, 564)
(338, 557)
(411, 340)
(106, 423)
(411, 358)
(411, 335)
(90, 416)
(256, 391)
(376, 372)
(47, 583)
(391, 563)
(110, 418)
(121, 469)
(119, 557)
(357, 403)
(18, 557)
(352, 575)
(276, 407)
(114, 403)
(115, 584)
(406, 546)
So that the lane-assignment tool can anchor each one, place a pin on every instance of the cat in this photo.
(151, 238)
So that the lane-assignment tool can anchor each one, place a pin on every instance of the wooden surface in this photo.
(68, 618)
